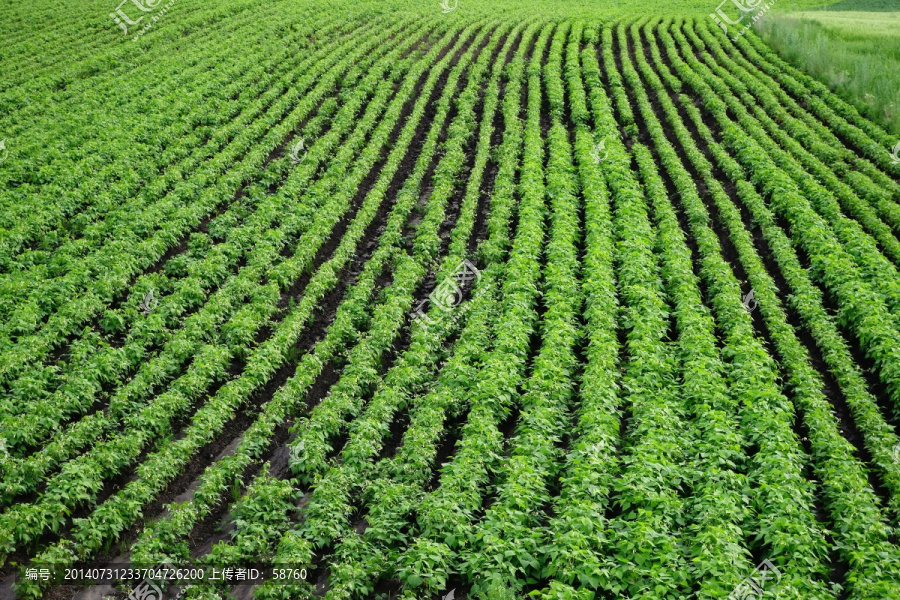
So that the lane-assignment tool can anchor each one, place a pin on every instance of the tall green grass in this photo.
(856, 51)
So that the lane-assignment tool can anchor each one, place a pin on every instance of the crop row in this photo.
(808, 301)
(100, 206)
(112, 363)
(505, 543)
(112, 456)
(328, 509)
(219, 260)
(783, 503)
(571, 557)
(238, 331)
(399, 483)
(56, 292)
(179, 132)
(160, 535)
(845, 487)
(163, 465)
(860, 306)
(796, 162)
(444, 518)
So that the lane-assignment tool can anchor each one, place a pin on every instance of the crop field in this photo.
(391, 301)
